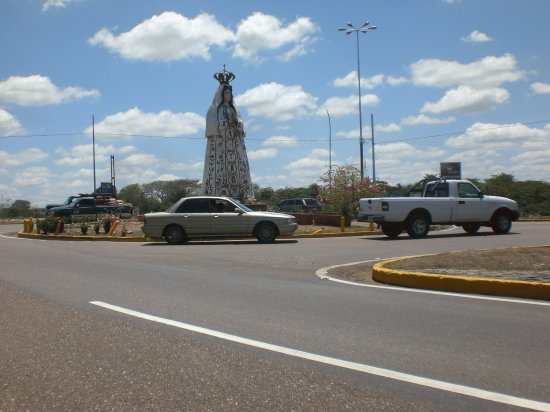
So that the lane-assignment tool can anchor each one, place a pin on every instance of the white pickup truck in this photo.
(441, 201)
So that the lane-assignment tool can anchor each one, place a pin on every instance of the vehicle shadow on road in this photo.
(404, 236)
(221, 242)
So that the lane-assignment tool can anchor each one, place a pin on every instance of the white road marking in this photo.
(323, 274)
(371, 370)
(9, 237)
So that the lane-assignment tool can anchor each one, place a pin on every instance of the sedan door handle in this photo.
(461, 202)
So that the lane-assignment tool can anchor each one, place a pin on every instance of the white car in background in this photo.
(215, 217)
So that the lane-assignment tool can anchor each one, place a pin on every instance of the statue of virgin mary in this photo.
(226, 170)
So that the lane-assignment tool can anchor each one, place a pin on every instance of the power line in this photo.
(124, 135)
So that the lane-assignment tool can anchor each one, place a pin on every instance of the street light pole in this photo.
(363, 29)
(329, 151)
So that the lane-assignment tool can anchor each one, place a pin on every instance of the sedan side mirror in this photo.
(239, 211)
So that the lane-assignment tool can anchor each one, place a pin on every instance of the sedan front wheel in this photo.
(266, 233)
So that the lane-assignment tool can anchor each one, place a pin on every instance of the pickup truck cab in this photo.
(442, 201)
(88, 207)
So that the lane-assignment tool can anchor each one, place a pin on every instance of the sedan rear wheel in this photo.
(174, 235)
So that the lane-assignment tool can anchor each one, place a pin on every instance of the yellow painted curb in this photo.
(459, 284)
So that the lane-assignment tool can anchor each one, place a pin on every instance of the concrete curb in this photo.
(459, 284)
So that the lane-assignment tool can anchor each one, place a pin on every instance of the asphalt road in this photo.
(271, 335)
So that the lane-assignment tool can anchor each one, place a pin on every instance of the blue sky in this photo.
(446, 80)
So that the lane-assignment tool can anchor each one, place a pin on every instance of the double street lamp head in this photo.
(351, 28)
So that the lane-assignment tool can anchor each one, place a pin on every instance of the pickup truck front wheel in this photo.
(501, 223)
(418, 226)
(391, 231)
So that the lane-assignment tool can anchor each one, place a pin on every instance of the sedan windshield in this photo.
(243, 207)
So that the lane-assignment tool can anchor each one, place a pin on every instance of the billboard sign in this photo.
(450, 170)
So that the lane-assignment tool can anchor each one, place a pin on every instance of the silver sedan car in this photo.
(210, 216)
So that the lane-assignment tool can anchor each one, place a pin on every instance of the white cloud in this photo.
(281, 141)
(188, 166)
(397, 81)
(173, 36)
(402, 150)
(387, 128)
(260, 31)
(55, 3)
(306, 170)
(261, 154)
(342, 106)
(423, 119)
(540, 88)
(167, 177)
(312, 163)
(9, 125)
(350, 80)
(488, 72)
(276, 101)
(168, 36)
(465, 99)
(32, 176)
(37, 90)
(476, 37)
(401, 162)
(136, 122)
(82, 154)
(31, 155)
(498, 136)
(317, 153)
(139, 160)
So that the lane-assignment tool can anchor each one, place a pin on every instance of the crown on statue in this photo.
(224, 77)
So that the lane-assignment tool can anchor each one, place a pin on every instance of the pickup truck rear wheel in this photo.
(471, 228)
(174, 235)
(418, 226)
(501, 223)
(391, 231)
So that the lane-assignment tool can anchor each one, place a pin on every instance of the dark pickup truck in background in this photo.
(88, 206)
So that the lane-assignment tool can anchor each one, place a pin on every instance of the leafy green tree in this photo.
(500, 185)
(135, 195)
(265, 195)
(168, 192)
(19, 208)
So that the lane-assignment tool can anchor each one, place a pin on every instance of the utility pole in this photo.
(372, 147)
(93, 145)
